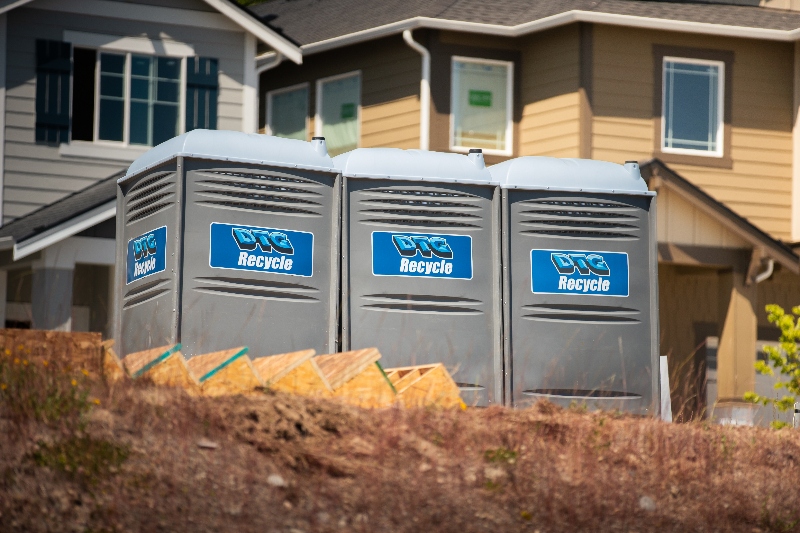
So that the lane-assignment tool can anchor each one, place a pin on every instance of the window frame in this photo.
(318, 102)
(509, 150)
(720, 151)
(125, 142)
(268, 111)
(725, 161)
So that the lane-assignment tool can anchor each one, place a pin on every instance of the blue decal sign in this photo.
(147, 254)
(579, 272)
(423, 255)
(257, 249)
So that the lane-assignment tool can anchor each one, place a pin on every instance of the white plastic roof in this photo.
(574, 175)
(237, 147)
(417, 165)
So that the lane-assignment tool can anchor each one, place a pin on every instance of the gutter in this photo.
(268, 61)
(424, 91)
(66, 229)
(552, 21)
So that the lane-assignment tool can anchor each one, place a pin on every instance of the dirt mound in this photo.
(143, 458)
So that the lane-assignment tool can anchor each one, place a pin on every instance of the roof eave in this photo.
(774, 249)
(552, 21)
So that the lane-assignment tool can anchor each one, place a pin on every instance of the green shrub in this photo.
(786, 360)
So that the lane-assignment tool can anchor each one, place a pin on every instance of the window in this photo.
(692, 106)
(287, 112)
(142, 92)
(481, 105)
(338, 110)
(127, 98)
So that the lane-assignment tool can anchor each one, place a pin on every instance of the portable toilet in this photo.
(421, 263)
(229, 239)
(580, 283)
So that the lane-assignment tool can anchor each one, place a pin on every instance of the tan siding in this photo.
(35, 174)
(390, 77)
(550, 103)
(759, 184)
(679, 222)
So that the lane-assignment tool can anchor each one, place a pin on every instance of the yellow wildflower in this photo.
(45, 363)
(85, 372)
(20, 347)
(8, 352)
(16, 360)
(3, 386)
(25, 362)
(96, 401)
(74, 383)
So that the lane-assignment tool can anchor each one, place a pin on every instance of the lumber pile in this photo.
(355, 377)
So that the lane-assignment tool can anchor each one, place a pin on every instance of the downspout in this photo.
(276, 59)
(767, 272)
(424, 90)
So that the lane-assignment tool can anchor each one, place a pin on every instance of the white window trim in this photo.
(318, 102)
(138, 45)
(509, 105)
(720, 151)
(270, 94)
(126, 98)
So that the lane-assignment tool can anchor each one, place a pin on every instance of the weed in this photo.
(83, 458)
(500, 455)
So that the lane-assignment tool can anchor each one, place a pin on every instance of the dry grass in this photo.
(133, 463)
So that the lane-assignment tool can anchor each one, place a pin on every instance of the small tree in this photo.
(786, 360)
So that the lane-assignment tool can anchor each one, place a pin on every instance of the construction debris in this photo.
(358, 378)
(294, 372)
(422, 385)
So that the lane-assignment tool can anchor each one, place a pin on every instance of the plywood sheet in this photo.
(305, 379)
(273, 368)
(236, 377)
(204, 366)
(138, 363)
(173, 372)
(111, 367)
(339, 368)
(426, 385)
(370, 388)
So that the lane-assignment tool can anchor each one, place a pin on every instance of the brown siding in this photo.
(390, 77)
(550, 123)
(758, 186)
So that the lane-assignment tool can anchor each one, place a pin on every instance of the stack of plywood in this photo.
(355, 377)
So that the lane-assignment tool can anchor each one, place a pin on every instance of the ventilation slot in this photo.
(578, 224)
(145, 293)
(582, 394)
(264, 177)
(421, 203)
(577, 234)
(580, 314)
(262, 290)
(431, 194)
(394, 222)
(264, 208)
(583, 204)
(575, 214)
(261, 187)
(259, 197)
(149, 196)
(427, 304)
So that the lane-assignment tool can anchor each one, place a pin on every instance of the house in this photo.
(85, 88)
(704, 94)
(611, 80)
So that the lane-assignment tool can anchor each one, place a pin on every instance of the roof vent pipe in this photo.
(633, 168)
(767, 272)
(424, 91)
(476, 156)
(319, 145)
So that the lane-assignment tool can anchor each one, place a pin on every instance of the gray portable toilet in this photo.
(421, 263)
(580, 283)
(229, 239)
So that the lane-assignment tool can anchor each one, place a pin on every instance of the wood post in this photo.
(736, 354)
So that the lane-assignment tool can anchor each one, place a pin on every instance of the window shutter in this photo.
(53, 71)
(202, 89)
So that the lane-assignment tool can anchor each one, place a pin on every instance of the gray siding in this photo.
(36, 175)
